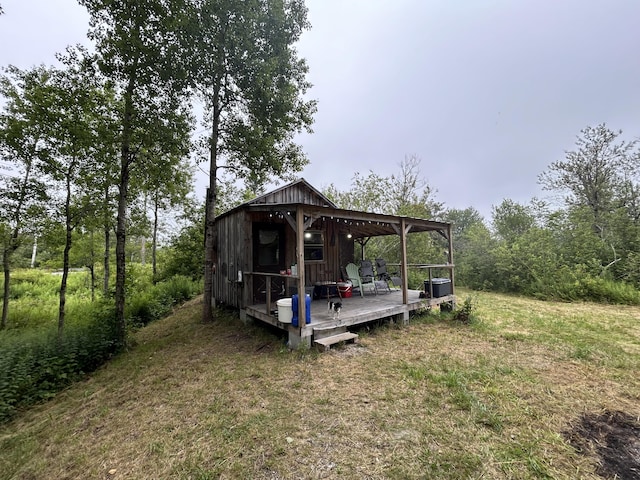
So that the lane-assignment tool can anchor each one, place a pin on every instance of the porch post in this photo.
(403, 266)
(451, 271)
(300, 262)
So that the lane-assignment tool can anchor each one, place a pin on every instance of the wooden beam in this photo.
(291, 221)
(403, 260)
(300, 263)
(450, 258)
(310, 221)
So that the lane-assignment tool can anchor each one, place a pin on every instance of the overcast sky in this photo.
(486, 93)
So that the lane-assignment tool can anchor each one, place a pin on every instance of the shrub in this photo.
(35, 364)
(157, 300)
(465, 313)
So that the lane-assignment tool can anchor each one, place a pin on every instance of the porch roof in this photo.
(359, 224)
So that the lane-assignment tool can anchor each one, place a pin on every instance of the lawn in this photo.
(529, 389)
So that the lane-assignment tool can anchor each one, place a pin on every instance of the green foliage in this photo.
(512, 220)
(185, 254)
(156, 301)
(476, 258)
(35, 364)
(465, 312)
(599, 289)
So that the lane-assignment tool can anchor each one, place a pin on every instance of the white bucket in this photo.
(285, 313)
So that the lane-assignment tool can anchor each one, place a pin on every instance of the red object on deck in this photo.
(345, 289)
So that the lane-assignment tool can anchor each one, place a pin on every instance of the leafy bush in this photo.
(184, 256)
(156, 301)
(603, 290)
(35, 364)
(465, 312)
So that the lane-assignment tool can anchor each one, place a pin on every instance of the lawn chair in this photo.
(384, 275)
(359, 280)
(366, 274)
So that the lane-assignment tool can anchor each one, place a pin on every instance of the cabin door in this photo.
(269, 257)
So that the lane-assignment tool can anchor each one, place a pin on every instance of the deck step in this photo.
(326, 342)
(328, 331)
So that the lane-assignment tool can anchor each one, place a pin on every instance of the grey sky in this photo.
(487, 93)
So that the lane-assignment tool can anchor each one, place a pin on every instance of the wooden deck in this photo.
(355, 310)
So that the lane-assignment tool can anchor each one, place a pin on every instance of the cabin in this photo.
(294, 239)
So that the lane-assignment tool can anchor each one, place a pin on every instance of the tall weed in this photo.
(157, 300)
(35, 363)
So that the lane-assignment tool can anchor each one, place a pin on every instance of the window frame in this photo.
(313, 245)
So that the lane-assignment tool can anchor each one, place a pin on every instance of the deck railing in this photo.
(430, 267)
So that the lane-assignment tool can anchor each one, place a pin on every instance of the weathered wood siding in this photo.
(297, 193)
(235, 252)
(234, 247)
(235, 244)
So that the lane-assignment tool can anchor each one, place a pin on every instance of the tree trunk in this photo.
(143, 250)
(92, 269)
(34, 251)
(7, 278)
(107, 240)
(154, 244)
(65, 261)
(123, 190)
(210, 246)
(63, 283)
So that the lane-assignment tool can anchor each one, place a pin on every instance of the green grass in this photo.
(436, 399)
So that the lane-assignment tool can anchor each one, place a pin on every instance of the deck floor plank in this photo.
(355, 310)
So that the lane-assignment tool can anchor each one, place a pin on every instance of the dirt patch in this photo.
(612, 436)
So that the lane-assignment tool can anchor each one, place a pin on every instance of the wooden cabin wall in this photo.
(294, 194)
(335, 248)
(235, 252)
(234, 243)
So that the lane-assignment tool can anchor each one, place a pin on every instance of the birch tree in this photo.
(138, 49)
(22, 193)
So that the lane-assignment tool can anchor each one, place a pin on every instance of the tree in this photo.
(462, 221)
(595, 173)
(22, 194)
(370, 193)
(136, 41)
(168, 183)
(476, 262)
(183, 255)
(600, 180)
(246, 70)
(410, 193)
(407, 194)
(70, 112)
(512, 220)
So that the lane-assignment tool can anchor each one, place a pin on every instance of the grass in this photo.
(436, 399)
(34, 297)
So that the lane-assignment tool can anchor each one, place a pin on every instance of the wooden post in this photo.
(404, 269)
(268, 300)
(451, 272)
(302, 309)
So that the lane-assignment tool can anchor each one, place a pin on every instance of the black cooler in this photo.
(441, 287)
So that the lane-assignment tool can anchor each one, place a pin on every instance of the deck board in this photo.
(326, 342)
(355, 310)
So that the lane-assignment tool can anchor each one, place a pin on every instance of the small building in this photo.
(294, 239)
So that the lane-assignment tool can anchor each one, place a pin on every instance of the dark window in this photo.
(313, 246)
(268, 248)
